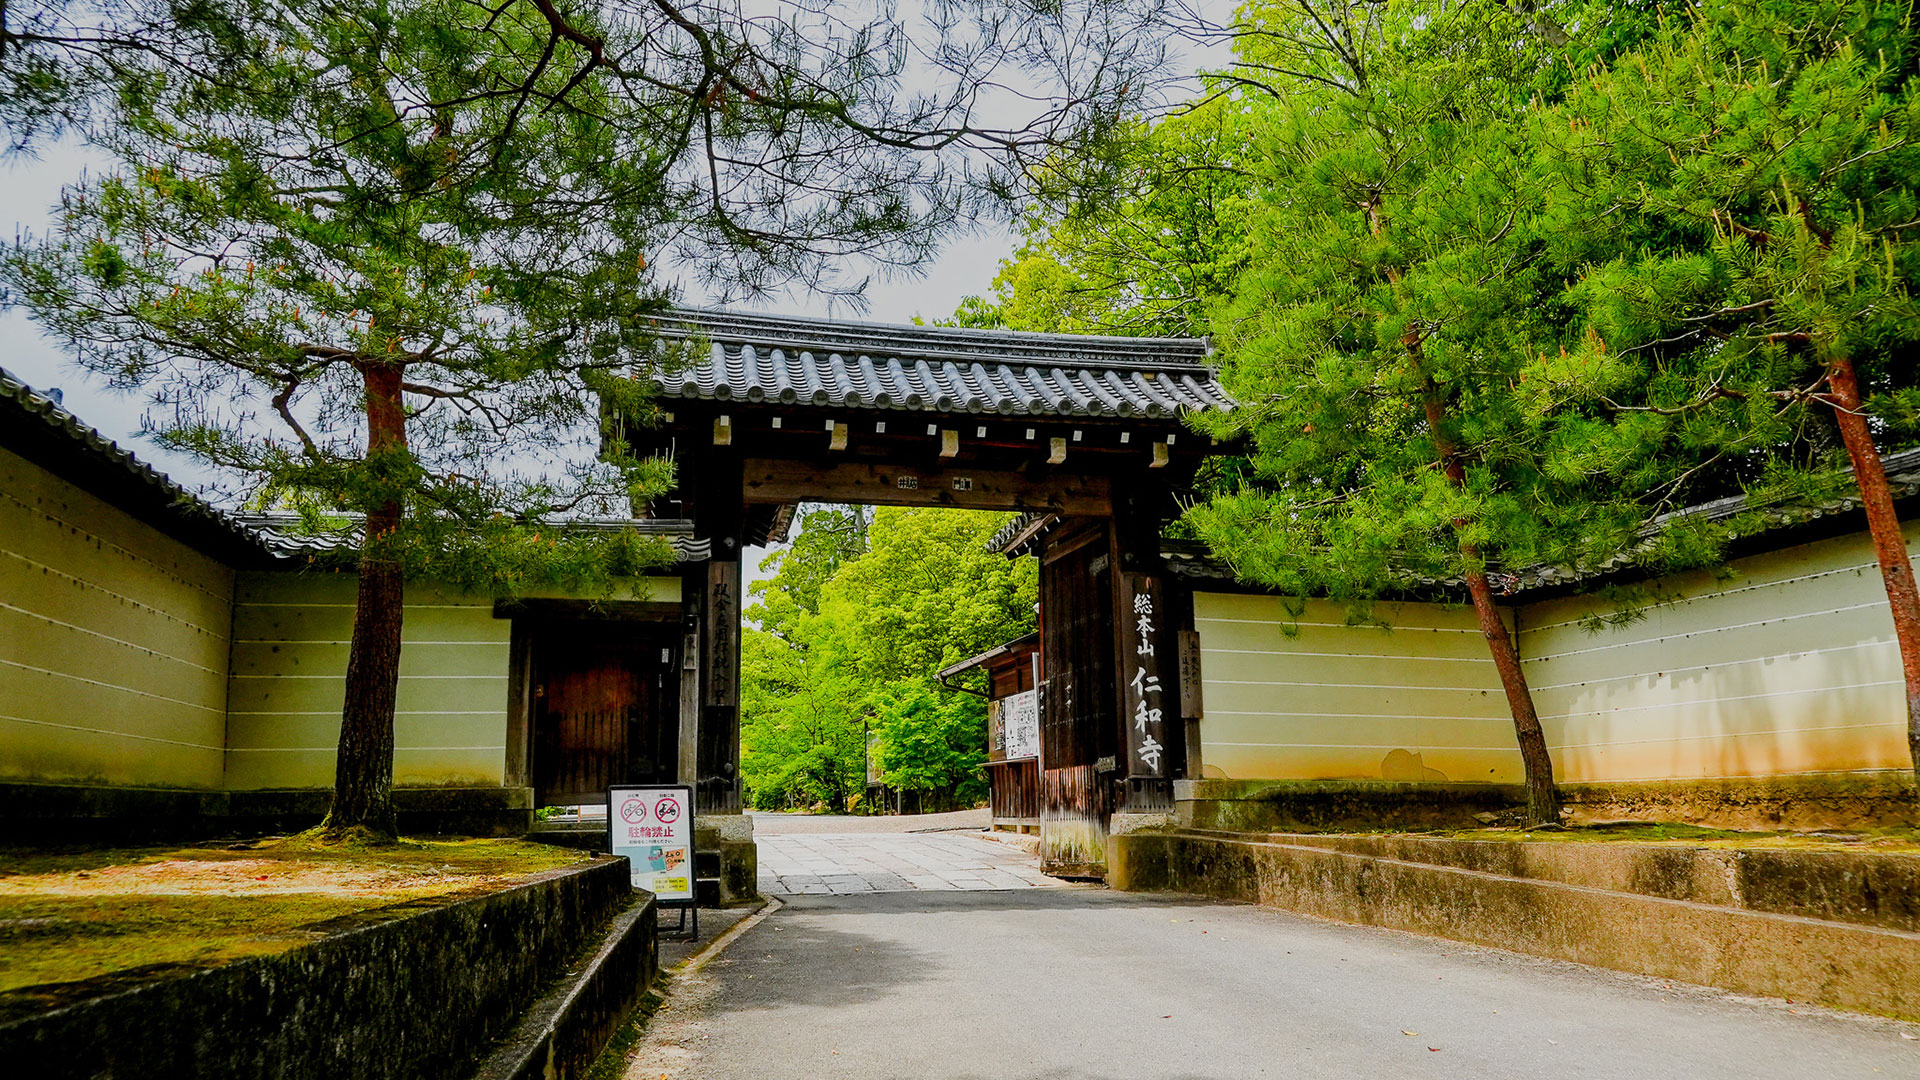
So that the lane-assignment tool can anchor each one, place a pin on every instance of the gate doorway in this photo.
(605, 708)
(1084, 435)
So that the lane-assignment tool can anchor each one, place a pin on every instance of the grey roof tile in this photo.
(796, 361)
(44, 431)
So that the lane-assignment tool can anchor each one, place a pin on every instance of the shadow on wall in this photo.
(1790, 668)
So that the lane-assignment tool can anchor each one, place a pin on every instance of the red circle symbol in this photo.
(633, 811)
(667, 810)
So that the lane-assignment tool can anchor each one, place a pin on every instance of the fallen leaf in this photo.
(1404, 1031)
(1435, 1049)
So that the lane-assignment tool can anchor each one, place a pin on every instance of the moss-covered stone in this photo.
(1292, 805)
(413, 990)
(67, 916)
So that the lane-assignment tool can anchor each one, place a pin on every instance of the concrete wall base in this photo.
(33, 813)
(1287, 805)
(731, 871)
(1848, 965)
(1807, 801)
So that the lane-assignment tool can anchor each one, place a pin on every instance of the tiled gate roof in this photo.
(768, 358)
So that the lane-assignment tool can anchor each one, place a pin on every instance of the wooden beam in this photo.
(772, 480)
(949, 443)
(555, 608)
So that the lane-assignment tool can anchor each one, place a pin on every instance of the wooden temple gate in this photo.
(1083, 434)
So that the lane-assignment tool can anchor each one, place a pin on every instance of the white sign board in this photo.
(653, 828)
(1020, 719)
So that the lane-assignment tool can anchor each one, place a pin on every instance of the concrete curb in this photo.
(1847, 966)
(718, 945)
(561, 1034)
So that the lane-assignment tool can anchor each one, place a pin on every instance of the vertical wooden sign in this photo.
(1144, 647)
(723, 632)
(1192, 706)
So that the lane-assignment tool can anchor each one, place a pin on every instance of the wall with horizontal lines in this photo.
(290, 638)
(1303, 695)
(113, 643)
(1786, 666)
(290, 635)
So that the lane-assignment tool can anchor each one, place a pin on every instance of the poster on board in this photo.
(1020, 724)
(653, 828)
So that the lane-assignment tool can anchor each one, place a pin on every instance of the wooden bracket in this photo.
(1159, 456)
(839, 440)
(1059, 451)
(723, 431)
(949, 443)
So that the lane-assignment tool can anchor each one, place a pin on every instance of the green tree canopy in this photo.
(920, 594)
(1746, 187)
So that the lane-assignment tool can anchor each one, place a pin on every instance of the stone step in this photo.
(1607, 918)
(1868, 888)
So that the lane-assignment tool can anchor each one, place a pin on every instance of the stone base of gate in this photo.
(729, 870)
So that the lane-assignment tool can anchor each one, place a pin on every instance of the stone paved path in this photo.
(797, 865)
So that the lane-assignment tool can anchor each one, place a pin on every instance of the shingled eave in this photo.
(41, 430)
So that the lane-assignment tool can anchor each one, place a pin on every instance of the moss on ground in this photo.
(1897, 839)
(76, 914)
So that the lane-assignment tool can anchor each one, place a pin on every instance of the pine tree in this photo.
(1400, 297)
(396, 260)
(1750, 181)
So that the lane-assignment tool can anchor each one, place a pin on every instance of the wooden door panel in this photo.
(605, 708)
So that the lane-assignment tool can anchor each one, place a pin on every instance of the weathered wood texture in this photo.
(713, 486)
(606, 710)
(1016, 792)
(769, 480)
(1079, 725)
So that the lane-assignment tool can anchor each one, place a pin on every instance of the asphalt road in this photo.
(1080, 983)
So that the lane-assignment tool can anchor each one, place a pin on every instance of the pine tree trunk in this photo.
(363, 769)
(1889, 542)
(1543, 798)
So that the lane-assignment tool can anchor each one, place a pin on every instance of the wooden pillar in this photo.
(692, 583)
(1146, 653)
(715, 485)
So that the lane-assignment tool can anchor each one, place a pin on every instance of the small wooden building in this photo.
(1013, 729)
